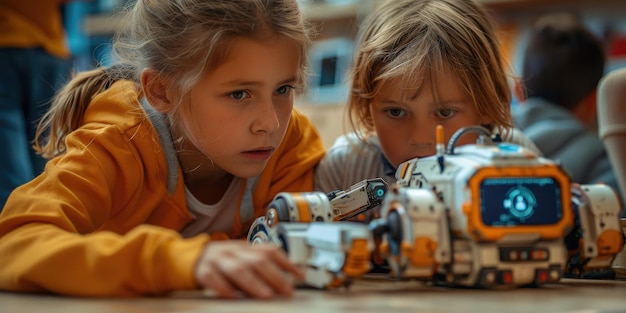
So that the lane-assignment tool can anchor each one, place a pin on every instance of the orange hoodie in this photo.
(100, 221)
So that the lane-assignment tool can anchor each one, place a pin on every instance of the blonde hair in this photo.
(181, 40)
(415, 38)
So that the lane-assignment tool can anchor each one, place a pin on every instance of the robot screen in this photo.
(515, 201)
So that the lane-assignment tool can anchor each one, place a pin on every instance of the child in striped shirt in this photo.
(420, 63)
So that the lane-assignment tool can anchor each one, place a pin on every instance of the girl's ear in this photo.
(155, 89)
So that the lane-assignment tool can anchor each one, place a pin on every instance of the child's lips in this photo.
(259, 154)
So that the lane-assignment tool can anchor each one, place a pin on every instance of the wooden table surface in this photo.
(369, 295)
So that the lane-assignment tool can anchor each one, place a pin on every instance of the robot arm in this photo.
(318, 207)
(331, 254)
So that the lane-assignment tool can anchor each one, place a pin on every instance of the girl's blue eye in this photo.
(239, 95)
(283, 90)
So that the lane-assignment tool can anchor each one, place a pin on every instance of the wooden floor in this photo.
(369, 295)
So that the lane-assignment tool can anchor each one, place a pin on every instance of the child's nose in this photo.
(422, 133)
(267, 118)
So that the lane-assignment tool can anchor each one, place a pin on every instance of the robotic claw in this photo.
(340, 205)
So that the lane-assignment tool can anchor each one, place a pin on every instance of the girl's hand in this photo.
(233, 267)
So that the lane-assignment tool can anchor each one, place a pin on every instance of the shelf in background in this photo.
(106, 24)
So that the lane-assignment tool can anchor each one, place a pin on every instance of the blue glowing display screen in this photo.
(513, 201)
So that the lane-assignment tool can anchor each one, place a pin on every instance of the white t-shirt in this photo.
(211, 218)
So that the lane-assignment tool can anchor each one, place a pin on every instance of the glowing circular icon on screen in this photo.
(520, 201)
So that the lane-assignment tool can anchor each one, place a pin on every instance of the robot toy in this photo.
(490, 214)
(495, 214)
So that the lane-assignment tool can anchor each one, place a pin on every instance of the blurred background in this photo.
(90, 26)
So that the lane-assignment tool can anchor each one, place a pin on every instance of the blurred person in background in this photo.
(562, 66)
(35, 62)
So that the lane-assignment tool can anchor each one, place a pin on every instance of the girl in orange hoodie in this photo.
(183, 143)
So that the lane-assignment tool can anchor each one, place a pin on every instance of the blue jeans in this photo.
(28, 80)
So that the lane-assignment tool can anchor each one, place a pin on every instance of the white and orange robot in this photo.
(490, 214)
(495, 214)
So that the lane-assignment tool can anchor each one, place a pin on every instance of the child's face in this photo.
(240, 111)
(405, 118)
